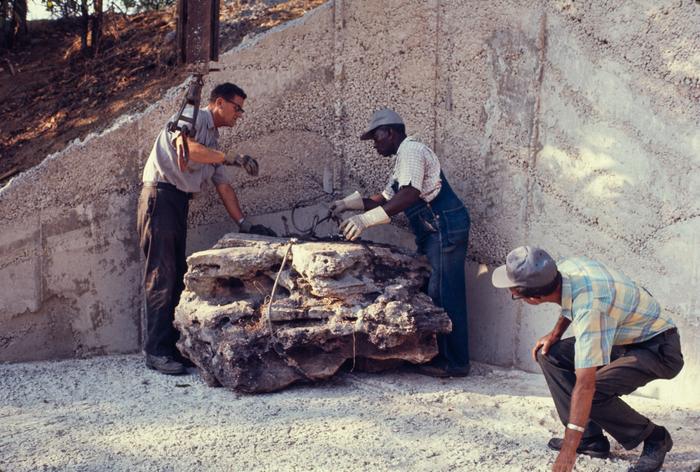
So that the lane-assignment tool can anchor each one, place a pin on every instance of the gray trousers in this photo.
(631, 366)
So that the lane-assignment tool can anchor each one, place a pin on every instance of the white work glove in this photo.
(351, 202)
(242, 160)
(244, 226)
(353, 227)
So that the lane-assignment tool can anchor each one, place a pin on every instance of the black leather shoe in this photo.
(165, 365)
(653, 454)
(442, 372)
(598, 447)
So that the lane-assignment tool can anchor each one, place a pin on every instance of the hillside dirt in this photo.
(51, 93)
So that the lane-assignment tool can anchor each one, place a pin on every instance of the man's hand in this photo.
(544, 343)
(242, 160)
(351, 202)
(353, 227)
(565, 461)
(244, 226)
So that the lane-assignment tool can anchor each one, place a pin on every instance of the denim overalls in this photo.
(441, 228)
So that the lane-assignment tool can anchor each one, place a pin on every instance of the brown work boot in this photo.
(165, 365)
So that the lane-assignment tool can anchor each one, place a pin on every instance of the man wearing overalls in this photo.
(438, 219)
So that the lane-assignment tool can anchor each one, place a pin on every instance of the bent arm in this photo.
(404, 198)
(200, 153)
(546, 341)
(230, 201)
(374, 201)
(560, 327)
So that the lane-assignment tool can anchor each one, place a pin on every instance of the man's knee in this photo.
(545, 361)
(541, 357)
(559, 354)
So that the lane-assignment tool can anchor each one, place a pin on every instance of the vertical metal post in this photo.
(197, 30)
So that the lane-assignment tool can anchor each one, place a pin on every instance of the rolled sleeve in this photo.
(388, 192)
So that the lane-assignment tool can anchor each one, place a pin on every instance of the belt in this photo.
(660, 337)
(169, 187)
(668, 332)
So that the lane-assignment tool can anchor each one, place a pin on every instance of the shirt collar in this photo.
(406, 139)
(566, 297)
(206, 112)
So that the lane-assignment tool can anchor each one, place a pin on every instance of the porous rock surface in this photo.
(335, 302)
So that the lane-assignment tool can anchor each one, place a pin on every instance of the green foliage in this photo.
(62, 8)
(148, 5)
(72, 8)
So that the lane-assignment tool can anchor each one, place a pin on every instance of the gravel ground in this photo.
(111, 413)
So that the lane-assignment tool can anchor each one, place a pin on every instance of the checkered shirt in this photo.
(418, 166)
(606, 308)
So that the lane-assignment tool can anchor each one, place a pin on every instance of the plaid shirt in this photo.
(418, 166)
(606, 308)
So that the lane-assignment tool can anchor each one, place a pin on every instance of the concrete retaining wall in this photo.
(569, 126)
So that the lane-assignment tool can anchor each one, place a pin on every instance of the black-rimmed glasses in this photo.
(239, 109)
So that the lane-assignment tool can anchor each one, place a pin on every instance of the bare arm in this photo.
(404, 198)
(200, 153)
(374, 201)
(560, 327)
(550, 338)
(581, 401)
(230, 201)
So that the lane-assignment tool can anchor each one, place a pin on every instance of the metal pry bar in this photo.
(184, 123)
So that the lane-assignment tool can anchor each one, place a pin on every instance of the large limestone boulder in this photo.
(334, 303)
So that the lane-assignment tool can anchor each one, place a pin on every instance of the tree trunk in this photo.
(4, 24)
(84, 26)
(96, 27)
(19, 20)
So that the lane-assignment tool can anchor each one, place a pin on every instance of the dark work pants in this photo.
(631, 366)
(162, 228)
(447, 288)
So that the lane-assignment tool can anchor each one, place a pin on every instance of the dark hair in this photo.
(398, 127)
(227, 91)
(541, 291)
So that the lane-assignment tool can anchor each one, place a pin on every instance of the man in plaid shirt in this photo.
(621, 342)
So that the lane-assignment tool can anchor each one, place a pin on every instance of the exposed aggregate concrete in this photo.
(564, 124)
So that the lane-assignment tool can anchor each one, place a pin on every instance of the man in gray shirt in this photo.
(162, 215)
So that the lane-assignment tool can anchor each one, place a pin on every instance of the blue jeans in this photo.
(442, 233)
(447, 288)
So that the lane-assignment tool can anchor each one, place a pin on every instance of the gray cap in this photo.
(525, 266)
(385, 116)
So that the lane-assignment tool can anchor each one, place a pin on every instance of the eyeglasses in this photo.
(516, 297)
(238, 107)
